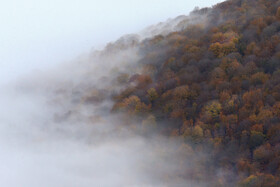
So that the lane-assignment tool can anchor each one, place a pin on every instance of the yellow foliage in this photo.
(197, 132)
(223, 44)
(213, 109)
(152, 94)
(134, 105)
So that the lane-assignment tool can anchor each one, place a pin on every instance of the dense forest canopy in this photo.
(214, 83)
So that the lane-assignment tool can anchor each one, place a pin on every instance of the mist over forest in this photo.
(193, 101)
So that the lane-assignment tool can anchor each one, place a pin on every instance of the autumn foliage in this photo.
(218, 85)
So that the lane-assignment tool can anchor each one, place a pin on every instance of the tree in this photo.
(152, 94)
(224, 43)
(263, 154)
(259, 78)
(252, 98)
(133, 105)
(264, 115)
(181, 93)
(216, 48)
(212, 111)
(197, 134)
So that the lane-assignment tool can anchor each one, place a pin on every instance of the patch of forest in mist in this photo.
(194, 101)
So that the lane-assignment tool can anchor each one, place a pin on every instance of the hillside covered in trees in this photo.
(214, 85)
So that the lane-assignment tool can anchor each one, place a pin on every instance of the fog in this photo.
(52, 135)
(56, 124)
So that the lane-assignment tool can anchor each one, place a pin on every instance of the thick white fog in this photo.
(51, 133)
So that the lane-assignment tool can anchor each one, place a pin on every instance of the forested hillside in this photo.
(215, 85)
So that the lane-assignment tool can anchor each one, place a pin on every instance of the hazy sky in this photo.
(35, 34)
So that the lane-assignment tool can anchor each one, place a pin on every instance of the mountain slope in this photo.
(215, 83)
